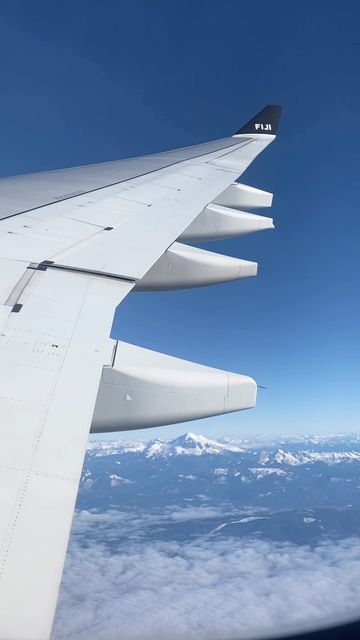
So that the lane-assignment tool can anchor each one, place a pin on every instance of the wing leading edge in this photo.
(73, 244)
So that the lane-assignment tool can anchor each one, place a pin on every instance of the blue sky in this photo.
(89, 81)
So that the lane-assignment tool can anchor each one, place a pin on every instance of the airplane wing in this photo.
(73, 244)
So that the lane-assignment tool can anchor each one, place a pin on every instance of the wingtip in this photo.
(265, 122)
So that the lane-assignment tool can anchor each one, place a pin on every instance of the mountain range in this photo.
(293, 488)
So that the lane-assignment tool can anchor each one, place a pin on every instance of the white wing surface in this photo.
(73, 244)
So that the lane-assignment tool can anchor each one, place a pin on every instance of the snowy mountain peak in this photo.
(187, 444)
(198, 438)
(192, 440)
(191, 444)
(155, 447)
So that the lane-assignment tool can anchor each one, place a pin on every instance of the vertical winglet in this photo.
(266, 121)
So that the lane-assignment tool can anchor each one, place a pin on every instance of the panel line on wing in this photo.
(125, 179)
(48, 264)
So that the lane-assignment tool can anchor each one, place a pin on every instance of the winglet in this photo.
(266, 121)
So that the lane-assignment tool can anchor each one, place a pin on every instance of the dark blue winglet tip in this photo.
(265, 122)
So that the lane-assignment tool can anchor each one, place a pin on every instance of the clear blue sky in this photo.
(89, 80)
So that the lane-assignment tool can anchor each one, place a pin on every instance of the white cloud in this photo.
(180, 514)
(212, 586)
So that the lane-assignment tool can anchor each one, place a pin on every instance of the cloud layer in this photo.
(209, 587)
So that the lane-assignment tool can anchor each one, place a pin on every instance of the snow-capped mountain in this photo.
(291, 451)
(187, 444)
(195, 444)
(190, 444)
(308, 485)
